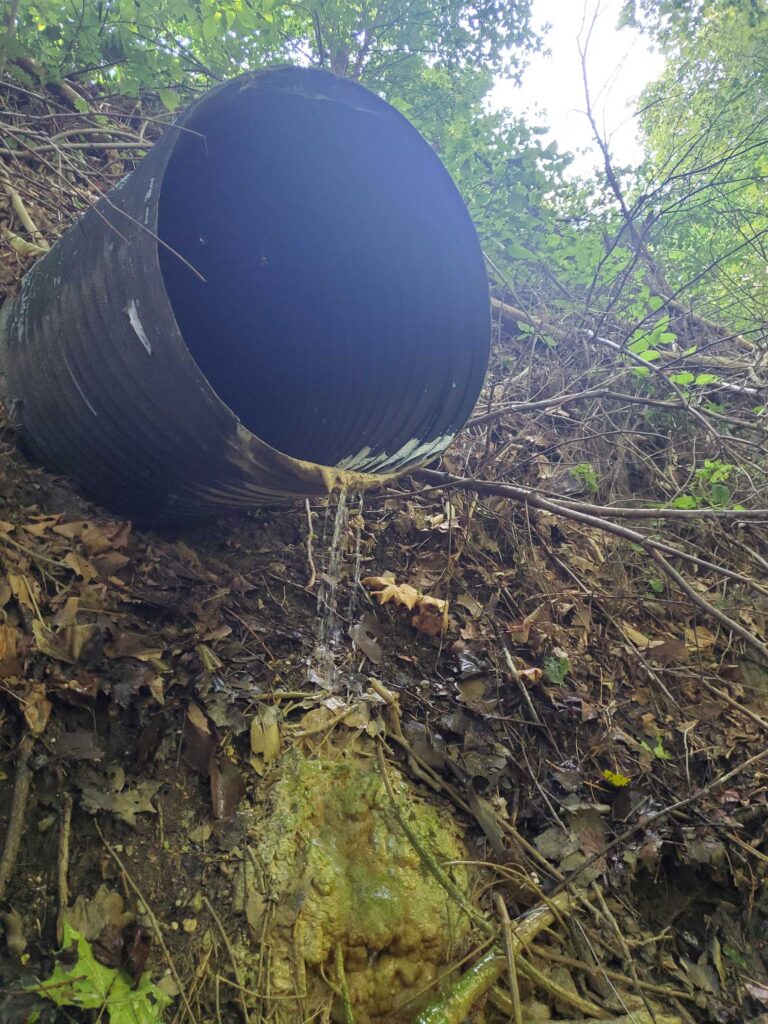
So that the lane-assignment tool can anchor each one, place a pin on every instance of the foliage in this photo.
(79, 980)
(705, 122)
(131, 46)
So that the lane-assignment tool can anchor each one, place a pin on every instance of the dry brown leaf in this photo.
(386, 588)
(640, 640)
(474, 607)
(27, 591)
(365, 636)
(265, 739)
(699, 638)
(86, 570)
(520, 631)
(133, 645)
(427, 622)
(227, 788)
(201, 738)
(10, 661)
(37, 709)
(51, 644)
(125, 804)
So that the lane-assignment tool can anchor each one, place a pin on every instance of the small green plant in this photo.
(712, 479)
(657, 749)
(556, 668)
(587, 475)
(710, 487)
(79, 980)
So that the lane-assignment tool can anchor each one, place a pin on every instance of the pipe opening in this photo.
(344, 313)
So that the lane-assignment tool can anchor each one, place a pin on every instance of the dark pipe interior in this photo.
(345, 300)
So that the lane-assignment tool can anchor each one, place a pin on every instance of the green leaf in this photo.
(210, 28)
(685, 501)
(683, 378)
(657, 749)
(720, 495)
(169, 98)
(556, 669)
(706, 378)
(89, 985)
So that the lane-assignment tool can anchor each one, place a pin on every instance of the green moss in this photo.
(342, 872)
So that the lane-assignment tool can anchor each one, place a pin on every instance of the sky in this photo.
(619, 63)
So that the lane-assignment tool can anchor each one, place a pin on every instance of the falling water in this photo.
(327, 631)
(353, 596)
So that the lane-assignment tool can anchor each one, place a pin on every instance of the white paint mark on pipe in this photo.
(147, 198)
(77, 383)
(132, 309)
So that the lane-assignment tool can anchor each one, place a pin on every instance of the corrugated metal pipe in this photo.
(287, 289)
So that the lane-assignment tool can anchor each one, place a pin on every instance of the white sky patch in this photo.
(620, 62)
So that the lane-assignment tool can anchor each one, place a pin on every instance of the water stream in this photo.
(328, 625)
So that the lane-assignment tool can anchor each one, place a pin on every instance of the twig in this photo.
(310, 537)
(231, 953)
(628, 958)
(581, 965)
(17, 813)
(527, 496)
(341, 979)
(22, 213)
(62, 866)
(453, 1006)
(426, 857)
(520, 684)
(506, 927)
(155, 923)
(647, 820)
(564, 995)
(707, 608)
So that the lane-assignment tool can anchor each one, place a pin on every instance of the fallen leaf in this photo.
(227, 789)
(10, 660)
(133, 645)
(81, 566)
(640, 640)
(51, 644)
(474, 607)
(385, 588)
(616, 779)
(37, 709)
(125, 804)
(427, 622)
(365, 636)
(265, 739)
(27, 592)
(201, 738)
(668, 651)
(79, 745)
(699, 638)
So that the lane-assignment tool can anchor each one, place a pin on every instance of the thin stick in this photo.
(506, 927)
(62, 867)
(524, 495)
(231, 953)
(17, 813)
(310, 537)
(721, 780)
(155, 923)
